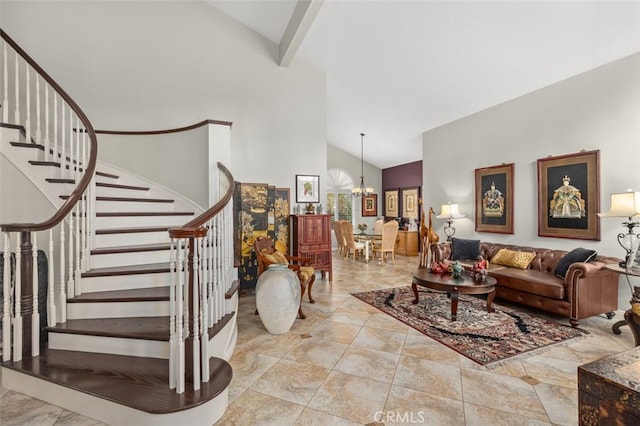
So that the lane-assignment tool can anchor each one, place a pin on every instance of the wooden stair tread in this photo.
(136, 382)
(131, 248)
(150, 268)
(107, 175)
(131, 295)
(134, 230)
(129, 199)
(147, 328)
(124, 214)
(118, 186)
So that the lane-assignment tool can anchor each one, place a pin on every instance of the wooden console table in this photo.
(407, 243)
(609, 390)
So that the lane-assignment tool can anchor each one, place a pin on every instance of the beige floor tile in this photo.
(336, 331)
(420, 346)
(255, 408)
(380, 339)
(476, 415)
(382, 320)
(409, 406)
(291, 381)
(318, 352)
(503, 393)
(311, 417)
(19, 409)
(369, 363)
(354, 398)
(560, 403)
(555, 372)
(248, 366)
(430, 377)
(349, 316)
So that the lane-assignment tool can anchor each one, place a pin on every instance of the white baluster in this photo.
(6, 300)
(27, 121)
(52, 284)
(54, 152)
(35, 318)
(205, 319)
(78, 272)
(63, 293)
(195, 267)
(173, 352)
(5, 91)
(47, 140)
(63, 152)
(17, 320)
(38, 124)
(71, 285)
(180, 361)
(17, 99)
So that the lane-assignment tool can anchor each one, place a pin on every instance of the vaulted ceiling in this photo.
(396, 69)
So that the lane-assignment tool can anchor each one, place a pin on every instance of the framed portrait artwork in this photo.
(410, 203)
(370, 205)
(569, 196)
(494, 199)
(307, 189)
(391, 203)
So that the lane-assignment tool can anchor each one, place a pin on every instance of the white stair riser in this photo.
(132, 206)
(117, 310)
(124, 282)
(132, 258)
(109, 412)
(137, 221)
(108, 191)
(134, 238)
(109, 345)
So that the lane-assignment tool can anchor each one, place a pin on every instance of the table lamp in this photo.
(450, 212)
(626, 204)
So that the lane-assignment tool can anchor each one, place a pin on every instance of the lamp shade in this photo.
(449, 211)
(623, 204)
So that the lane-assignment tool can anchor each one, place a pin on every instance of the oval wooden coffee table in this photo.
(454, 287)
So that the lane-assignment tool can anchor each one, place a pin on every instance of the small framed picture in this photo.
(410, 203)
(569, 196)
(307, 189)
(494, 199)
(391, 203)
(370, 205)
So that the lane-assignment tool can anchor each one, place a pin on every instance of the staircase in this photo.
(141, 307)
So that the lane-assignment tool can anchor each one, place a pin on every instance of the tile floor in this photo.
(350, 364)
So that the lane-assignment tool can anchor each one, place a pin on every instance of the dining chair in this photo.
(377, 227)
(352, 246)
(337, 229)
(388, 242)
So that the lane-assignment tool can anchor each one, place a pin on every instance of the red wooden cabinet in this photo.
(311, 237)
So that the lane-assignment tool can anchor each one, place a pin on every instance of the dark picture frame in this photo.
(410, 203)
(494, 199)
(370, 205)
(391, 203)
(569, 196)
(307, 188)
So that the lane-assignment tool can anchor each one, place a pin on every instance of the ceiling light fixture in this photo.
(362, 189)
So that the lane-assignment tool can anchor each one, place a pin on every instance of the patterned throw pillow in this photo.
(514, 259)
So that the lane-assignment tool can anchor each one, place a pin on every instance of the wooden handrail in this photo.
(89, 168)
(165, 131)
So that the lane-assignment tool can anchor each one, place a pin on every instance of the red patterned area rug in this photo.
(486, 338)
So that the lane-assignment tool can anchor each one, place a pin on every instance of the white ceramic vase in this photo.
(278, 298)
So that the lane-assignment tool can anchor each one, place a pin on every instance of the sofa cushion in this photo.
(462, 249)
(576, 255)
(512, 258)
(532, 281)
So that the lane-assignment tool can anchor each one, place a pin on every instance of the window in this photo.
(340, 203)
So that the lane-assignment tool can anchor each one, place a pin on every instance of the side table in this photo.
(631, 318)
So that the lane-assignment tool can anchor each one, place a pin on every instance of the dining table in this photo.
(368, 239)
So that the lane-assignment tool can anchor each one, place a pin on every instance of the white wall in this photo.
(599, 110)
(159, 65)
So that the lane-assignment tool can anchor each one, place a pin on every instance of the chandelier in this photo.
(362, 189)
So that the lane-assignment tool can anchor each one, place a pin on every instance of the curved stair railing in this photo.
(52, 123)
(201, 271)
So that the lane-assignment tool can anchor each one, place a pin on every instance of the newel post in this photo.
(26, 293)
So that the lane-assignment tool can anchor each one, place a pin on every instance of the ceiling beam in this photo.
(300, 22)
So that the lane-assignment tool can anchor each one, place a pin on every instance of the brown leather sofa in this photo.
(588, 289)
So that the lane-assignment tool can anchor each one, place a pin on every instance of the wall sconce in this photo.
(449, 211)
(626, 204)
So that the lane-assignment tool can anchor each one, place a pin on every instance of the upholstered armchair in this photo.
(267, 255)
(388, 242)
